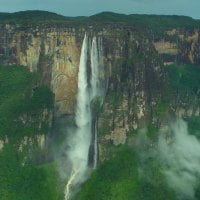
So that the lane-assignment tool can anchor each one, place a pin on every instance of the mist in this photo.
(78, 154)
(178, 153)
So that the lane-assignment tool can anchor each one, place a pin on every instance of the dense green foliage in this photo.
(151, 21)
(115, 179)
(181, 91)
(154, 22)
(194, 125)
(25, 182)
(22, 106)
(120, 178)
(34, 17)
(96, 105)
(22, 103)
(184, 77)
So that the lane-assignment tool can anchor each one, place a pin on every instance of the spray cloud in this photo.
(81, 139)
(178, 154)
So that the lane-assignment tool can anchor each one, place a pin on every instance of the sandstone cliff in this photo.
(134, 59)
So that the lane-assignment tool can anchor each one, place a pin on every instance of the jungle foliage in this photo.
(23, 102)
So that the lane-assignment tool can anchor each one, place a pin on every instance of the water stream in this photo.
(83, 138)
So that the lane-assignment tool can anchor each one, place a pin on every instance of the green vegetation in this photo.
(105, 128)
(194, 125)
(115, 179)
(153, 185)
(120, 178)
(28, 181)
(152, 132)
(184, 77)
(22, 106)
(115, 99)
(35, 17)
(22, 103)
(161, 109)
(96, 105)
(182, 89)
(154, 22)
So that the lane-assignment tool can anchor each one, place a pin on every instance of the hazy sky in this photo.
(89, 7)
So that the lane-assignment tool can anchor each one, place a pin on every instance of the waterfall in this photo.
(97, 88)
(82, 139)
(78, 153)
(94, 68)
(94, 88)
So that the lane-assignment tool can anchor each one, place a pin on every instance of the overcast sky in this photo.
(90, 7)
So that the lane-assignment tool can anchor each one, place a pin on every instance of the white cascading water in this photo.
(82, 138)
(94, 68)
(78, 154)
(96, 86)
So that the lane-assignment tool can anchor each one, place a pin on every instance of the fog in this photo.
(178, 154)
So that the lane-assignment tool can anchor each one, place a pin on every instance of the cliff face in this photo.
(134, 62)
(53, 53)
(181, 45)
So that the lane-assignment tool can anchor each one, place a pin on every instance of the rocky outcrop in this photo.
(53, 53)
(179, 45)
(165, 47)
(134, 64)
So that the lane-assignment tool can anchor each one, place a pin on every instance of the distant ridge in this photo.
(30, 15)
(147, 19)
(139, 20)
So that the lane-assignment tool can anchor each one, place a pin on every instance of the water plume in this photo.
(179, 153)
(82, 140)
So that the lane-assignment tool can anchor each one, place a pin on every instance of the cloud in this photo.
(179, 153)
